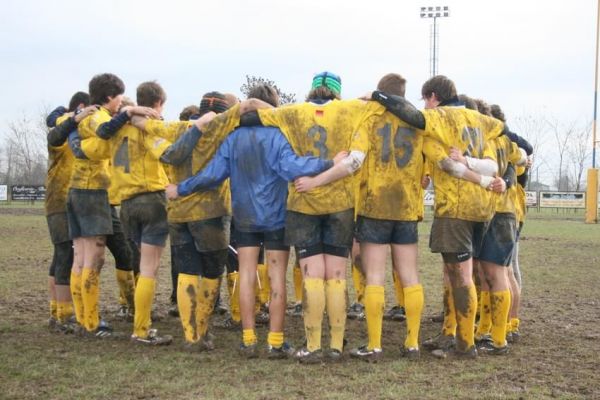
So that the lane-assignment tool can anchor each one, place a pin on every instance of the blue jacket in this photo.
(260, 162)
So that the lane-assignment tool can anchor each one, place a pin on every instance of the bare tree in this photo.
(562, 133)
(251, 81)
(532, 126)
(579, 151)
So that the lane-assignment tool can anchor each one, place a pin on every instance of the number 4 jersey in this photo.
(323, 130)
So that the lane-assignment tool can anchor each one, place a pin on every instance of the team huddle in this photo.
(235, 184)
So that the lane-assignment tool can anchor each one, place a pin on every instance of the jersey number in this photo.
(319, 136)
(475, 139)
(122, 156)
(403, 144)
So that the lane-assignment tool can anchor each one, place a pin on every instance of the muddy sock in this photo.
(144, 297)
(90, 294)
(207, 294)
(465, 304)
(265, 284)
(187, 303)
(53, 309)
(126, 283)
(335, 295)
(449, 326)
(485, 315)
(233, 283)
(75, 286)
(500, 308)
(374, 304)
(358, 280)
(414, 308)
(297, 283)
(64, 311)
(313, 308)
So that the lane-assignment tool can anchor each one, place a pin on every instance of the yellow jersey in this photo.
(507, 153)
(323, 130)
(89, 173)
(205, 204)
(391, 177)
(519, 197)
(470, 132)
(60, 168)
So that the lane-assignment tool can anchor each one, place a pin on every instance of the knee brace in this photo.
(63, 261)
(213, 263)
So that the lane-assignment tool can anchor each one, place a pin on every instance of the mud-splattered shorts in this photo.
(88, 212)
(58, 226)
(452, 235)
(271, 240)
(144, 218)
(304, 230)
(499, 240)
(385, 231)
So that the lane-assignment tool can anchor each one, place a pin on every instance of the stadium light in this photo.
(434, 12)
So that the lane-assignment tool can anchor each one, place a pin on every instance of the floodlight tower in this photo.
(435, 13)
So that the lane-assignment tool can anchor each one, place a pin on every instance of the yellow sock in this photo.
(514, 323)
(358, 279)
(374, 304)
(500, 309)
(233, 287)
(297, 282)
(136, 277)
(206, 296)
(144, 297)
(126, 283)
(485, 314)
(187, 303)
(415, 299)
(265, 284)
(75, 286)
(64, 310)
(449, 327)
(335, 295)
(275, 339)
(249, 337)
(54, 309)
(398, 289)
(90, 294)
(465, 303)
(313, 307)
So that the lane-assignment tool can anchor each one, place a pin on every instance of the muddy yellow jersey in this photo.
(392, 172)
(323, 130)
(206, 204)
(507, 153)
(92, 174)
(60, 167)
(519, 197)
(470, 132)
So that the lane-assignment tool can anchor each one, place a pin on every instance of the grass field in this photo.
(558, 356)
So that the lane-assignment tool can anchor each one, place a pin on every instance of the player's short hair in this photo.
(265, 93)
(188, 111)
(467, 101)
(77, 99)
(497, 112)
(150, 93)
(103, 86)
(213, 101)
(392, 84)
(483, 107)
(442, 86)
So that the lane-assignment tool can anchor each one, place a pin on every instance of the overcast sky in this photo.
(526, 56)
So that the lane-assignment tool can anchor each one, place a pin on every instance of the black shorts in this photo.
(144, 218)
(304, 230)
(58, 226)
(385, 231)
(452, 235)
(272, 240)
(207, 235)
(499, 240)
(88, 212)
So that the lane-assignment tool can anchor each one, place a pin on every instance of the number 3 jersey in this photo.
(390, 186)
(323, 130)
(470, 132)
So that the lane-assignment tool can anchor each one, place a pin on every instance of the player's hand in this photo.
(142, 111)
(304, 184)
(205, 119)
(340, 156)
(367, 96)
(138, 121)
(425, 181)
(171, 191)
(529, 162)
(498, 185)
(89, 110)
(457, 155)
